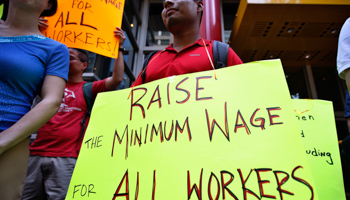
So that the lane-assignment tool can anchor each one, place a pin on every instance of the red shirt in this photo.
(193, 58)
(59, 137)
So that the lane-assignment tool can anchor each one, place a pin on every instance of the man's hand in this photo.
(119, 33)
(42, 23)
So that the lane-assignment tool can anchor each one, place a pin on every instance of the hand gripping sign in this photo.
(87, 24)
(196, 137)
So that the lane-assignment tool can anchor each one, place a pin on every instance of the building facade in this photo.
(302, 33)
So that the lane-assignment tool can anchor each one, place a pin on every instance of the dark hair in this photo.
(82, 55)
(52, 11)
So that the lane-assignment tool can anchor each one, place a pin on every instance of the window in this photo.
(131, 11)
(229, 10)
(297, 85)
(327, 87)
(164, 42)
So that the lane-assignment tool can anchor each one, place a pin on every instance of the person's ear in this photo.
(49, 6)
(85, 65)
(200, 6)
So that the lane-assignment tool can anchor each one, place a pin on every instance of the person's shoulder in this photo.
(55, 43)
(210, 42)
(56, 48)
(346, 27)
(79, 84)
(220, 46)
(99, 83)
(98, 86)
(347, 21)
(85, 84)
(218, 43)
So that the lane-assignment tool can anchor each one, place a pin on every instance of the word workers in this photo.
(244, 184)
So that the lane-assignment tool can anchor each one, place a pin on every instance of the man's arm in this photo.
(52, 94)
(118, 67)
(233, 58)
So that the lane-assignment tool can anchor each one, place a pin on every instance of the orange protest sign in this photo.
(87, 24)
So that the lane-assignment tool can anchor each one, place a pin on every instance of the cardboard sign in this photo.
(196, 137)
(319, 135)
(87, 24)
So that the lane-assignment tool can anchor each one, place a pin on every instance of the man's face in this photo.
(75, 64)
(179, 12)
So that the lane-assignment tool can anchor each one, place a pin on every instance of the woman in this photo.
(30, 64)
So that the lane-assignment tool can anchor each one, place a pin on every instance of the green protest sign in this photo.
(196, 137)
(319, 135)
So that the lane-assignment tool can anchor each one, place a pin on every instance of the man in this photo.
(54, 152)
(343, 63)
(189, 53)
(343, 66)
(343, 57)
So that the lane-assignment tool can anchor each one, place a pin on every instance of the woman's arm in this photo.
(51, 94)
